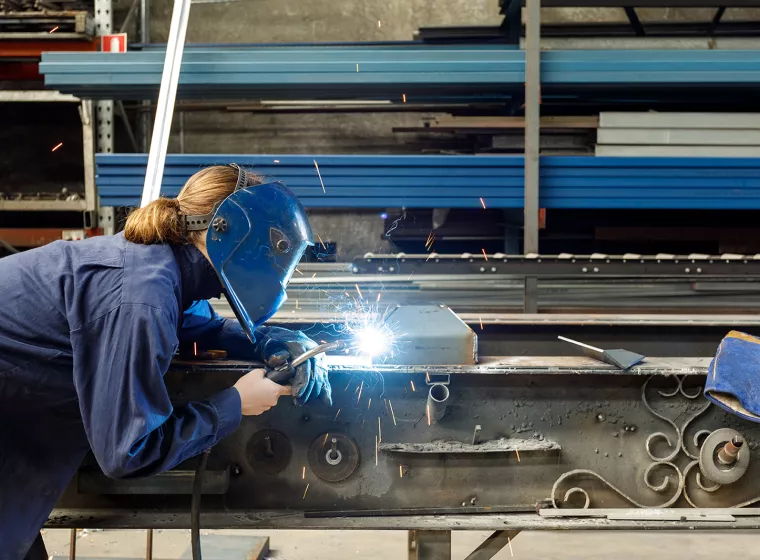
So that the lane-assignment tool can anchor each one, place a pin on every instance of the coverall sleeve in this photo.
(201, 324)
(133, 429)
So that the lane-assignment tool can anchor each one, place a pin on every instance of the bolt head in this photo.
(219, 225)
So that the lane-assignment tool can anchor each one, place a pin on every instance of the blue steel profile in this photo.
(353, 181)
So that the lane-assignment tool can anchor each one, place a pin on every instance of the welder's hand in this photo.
(311, 378)
(257, 393)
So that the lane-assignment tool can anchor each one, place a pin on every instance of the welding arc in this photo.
(195, 506)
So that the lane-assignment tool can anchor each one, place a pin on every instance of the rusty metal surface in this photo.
(502, 445)
(489, 365)
(125, 519)
(626, 440)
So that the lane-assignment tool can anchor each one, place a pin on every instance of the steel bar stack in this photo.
(404, 72)
(679, 134)
(464, 181)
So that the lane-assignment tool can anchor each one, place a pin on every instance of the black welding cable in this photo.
(195, 506)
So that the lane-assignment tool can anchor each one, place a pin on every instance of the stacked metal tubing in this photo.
(464, 181)
(400, 72)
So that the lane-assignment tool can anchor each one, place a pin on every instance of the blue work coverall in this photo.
(87, 332)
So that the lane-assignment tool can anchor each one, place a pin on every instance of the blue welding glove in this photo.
(278, 345)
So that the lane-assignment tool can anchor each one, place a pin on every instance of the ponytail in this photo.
(161, 220)
(158, 222)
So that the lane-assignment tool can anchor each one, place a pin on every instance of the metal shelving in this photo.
(90, 203)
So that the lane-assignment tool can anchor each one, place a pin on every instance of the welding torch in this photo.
(285, 372)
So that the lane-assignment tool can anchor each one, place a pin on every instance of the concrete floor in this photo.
(336, 545)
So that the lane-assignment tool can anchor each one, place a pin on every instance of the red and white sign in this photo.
(117, 42)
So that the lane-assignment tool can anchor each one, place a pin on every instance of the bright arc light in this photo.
(372, 341)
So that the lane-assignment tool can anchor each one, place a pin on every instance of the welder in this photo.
(88, 329)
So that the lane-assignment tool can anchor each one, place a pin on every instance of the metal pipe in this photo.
(149, 545)
(532, 142)
(73, 544)
(438, 397)
(167, 95)
(728, 454)
(144, 21)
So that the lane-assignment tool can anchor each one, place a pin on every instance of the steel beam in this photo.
(493, 544)
(104, 108)
(88, 149)
(569, 266)
(532, 143)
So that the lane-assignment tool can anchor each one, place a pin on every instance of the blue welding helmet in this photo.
(256, 237)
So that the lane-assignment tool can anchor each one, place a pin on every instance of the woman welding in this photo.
(88, 329)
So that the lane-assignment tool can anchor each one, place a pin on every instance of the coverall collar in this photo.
(198, 277)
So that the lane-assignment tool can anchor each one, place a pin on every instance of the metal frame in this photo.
(77, 25)
(90, 202)
(104, 109)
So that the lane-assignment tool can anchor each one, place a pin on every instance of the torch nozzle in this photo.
(326, 347)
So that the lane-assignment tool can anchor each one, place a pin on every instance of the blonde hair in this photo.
(161, 220)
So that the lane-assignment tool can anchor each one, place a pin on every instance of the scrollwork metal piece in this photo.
(652, 437)
(685, 425)
(701, 485)
(658, 488)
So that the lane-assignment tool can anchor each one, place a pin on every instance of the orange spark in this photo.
(299, 272)
(336, 415)
(358, 291)
(376, 449)
(484, 254)
(369, 403)
(314, 275)
(401, 471)
(304, 492)
(427, 376)
(483, 202)
(379, 431)
(195, 348)
(481, 323)
(325, 442)
(53, 30)
(360, 392)
(323, 244)
(509, 542)
(403, 97)
(321, 182)
(518, 455)
(412, 384)
(427, 408)
(357, 66)
(57, 146)
(378, 296)
(393, 415)
(303, 475)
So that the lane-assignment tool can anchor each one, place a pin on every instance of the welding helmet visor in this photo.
(256, 237)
